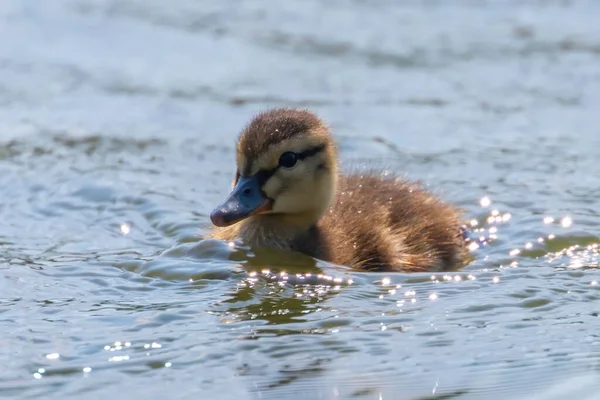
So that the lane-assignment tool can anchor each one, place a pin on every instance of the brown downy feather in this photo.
(391, 225)
(372, 223)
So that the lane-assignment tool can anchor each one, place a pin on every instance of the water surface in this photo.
(119, 120)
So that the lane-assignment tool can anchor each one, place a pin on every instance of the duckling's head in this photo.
(286, 171)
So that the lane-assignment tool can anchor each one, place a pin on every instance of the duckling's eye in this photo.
(288, 159)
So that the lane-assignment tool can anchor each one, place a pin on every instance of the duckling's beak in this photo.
(246, 199)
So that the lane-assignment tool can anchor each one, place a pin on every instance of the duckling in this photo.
(288, 194)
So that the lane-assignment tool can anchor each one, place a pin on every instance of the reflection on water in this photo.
(119, 121)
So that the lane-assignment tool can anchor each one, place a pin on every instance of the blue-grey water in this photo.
(118, 121)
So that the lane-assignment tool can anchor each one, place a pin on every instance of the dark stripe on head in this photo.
(264, 175)
(311, 152)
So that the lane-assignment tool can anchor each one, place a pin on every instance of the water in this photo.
(119, 120)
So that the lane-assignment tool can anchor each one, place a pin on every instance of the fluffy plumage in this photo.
(363, 221)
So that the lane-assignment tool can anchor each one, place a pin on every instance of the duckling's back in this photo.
(390, 224)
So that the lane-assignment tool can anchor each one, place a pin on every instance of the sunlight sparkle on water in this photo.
(548, 220)
(87, 369)
(125, 229)
(485, 201)
(433, 296)
(566, 222)
(495, 279)
(52, 356)
(118, 358)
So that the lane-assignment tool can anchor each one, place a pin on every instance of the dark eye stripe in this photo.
(310, 152)
(264, 175)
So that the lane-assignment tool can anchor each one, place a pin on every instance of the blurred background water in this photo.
(118, 127)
